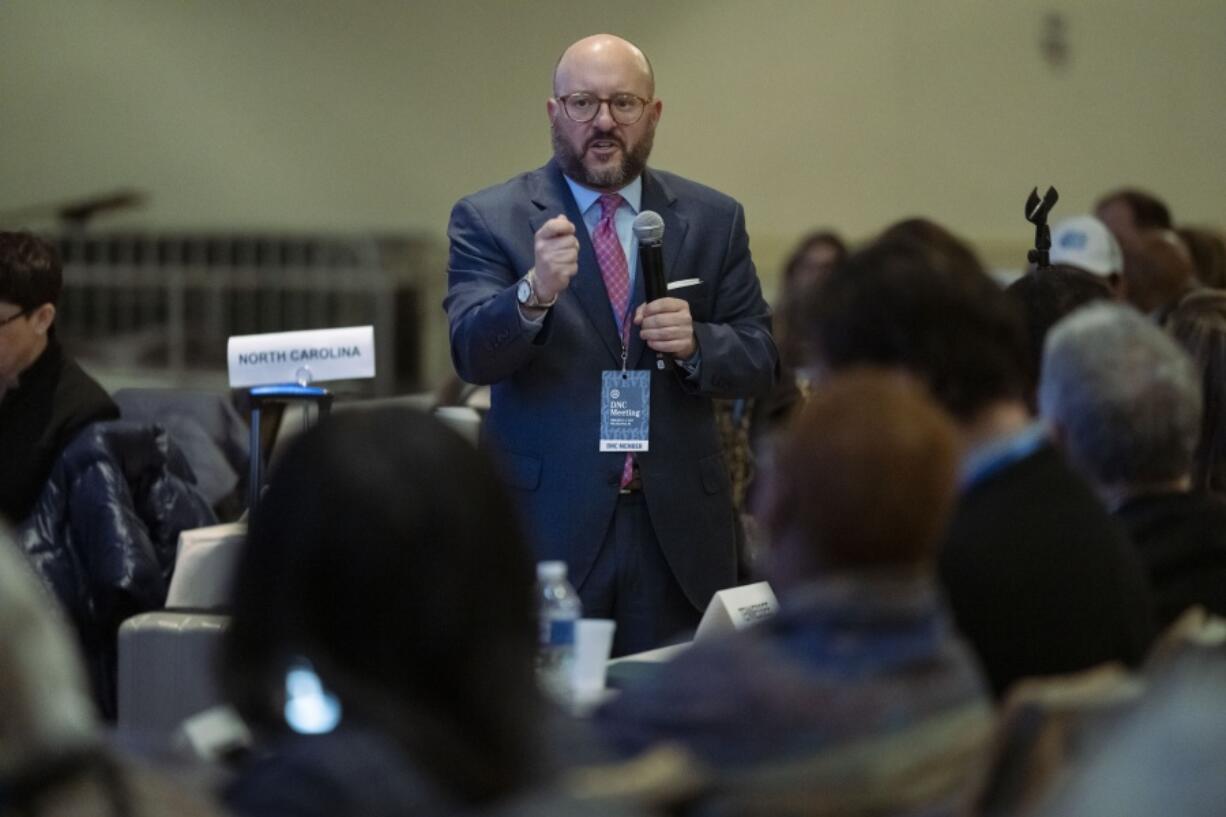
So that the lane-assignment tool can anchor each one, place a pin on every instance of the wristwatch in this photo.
(525, 293)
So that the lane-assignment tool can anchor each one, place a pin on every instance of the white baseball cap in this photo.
(1086, 243)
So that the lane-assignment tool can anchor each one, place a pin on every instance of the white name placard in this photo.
(737, 608)
(302, 357)
(205, 565)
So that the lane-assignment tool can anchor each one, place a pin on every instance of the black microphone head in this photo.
(649, 227)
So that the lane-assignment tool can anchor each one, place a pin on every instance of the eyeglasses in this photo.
(12, 318)
(584, 106)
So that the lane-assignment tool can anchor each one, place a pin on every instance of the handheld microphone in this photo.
(649, 230)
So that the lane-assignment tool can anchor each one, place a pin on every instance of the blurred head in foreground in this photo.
(53, 756)
(45, 706)
(865, 478)
(1163, 757)
(1047, 295)
(918, 300)
(384, 556)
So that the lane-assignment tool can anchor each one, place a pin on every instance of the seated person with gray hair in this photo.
(1125, 403)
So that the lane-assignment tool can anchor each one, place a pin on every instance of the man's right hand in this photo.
(557, 257)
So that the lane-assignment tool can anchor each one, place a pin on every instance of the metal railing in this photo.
(167, 303)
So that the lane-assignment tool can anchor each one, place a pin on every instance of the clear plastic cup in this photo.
(593, 643)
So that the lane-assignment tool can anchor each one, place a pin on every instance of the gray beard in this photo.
(631, 166)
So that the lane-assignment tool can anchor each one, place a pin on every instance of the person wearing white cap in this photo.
(1085, 242)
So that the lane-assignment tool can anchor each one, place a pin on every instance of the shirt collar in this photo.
(992, 456)
(585, 197)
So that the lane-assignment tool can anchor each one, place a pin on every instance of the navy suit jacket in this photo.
(544, 419)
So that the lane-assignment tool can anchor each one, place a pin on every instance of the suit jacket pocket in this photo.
(714, 474)
(697, 296)
(521, 471)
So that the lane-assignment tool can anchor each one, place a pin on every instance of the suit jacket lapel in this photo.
(658, 197)
(552, 197)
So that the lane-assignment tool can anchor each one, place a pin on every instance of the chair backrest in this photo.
(166, 662)
(209, 431)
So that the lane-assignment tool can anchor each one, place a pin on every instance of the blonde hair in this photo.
(45, 707)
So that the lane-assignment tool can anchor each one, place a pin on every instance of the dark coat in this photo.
(1041, 579)
(545, 409)
(1182, 541)
(103, 534)
(53, 401)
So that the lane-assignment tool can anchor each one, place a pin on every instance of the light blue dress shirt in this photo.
(632, 202)
(589, 205)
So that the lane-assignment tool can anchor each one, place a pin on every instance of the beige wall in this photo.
(309, 114)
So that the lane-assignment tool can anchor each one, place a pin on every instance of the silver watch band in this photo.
(536, 299)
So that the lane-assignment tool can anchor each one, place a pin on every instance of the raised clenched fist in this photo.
(557, 257)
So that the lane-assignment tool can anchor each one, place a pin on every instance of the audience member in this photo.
(1163, 755)
(817, 254)
(1047, 295)
(941, 248)
(1052, 731)
(1159, 273)
(814, 257)
(1199, 323)
(1085, 243)
(746, 424)
(860, 677)
(45, 397)
(1208, 252)
(1041, 580)
(1125, 403)
(384, 575)
(1128, 212)
(53, 757)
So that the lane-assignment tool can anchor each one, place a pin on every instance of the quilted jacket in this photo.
(103, 533)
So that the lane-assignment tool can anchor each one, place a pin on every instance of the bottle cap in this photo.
(550, 571)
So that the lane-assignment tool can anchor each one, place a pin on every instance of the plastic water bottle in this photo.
(560, 608)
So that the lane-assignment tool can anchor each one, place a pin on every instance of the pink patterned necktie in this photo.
(616, 275)
(612, 261)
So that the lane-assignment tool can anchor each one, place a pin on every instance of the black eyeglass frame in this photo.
(603, 100)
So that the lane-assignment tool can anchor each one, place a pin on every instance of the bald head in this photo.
(603, 112)
(603, 53)
(1160, 271)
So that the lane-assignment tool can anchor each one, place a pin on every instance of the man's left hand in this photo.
(666, 326)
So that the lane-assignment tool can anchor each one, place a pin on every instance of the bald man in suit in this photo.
(538, 272)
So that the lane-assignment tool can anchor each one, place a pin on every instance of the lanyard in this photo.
(623, 331)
